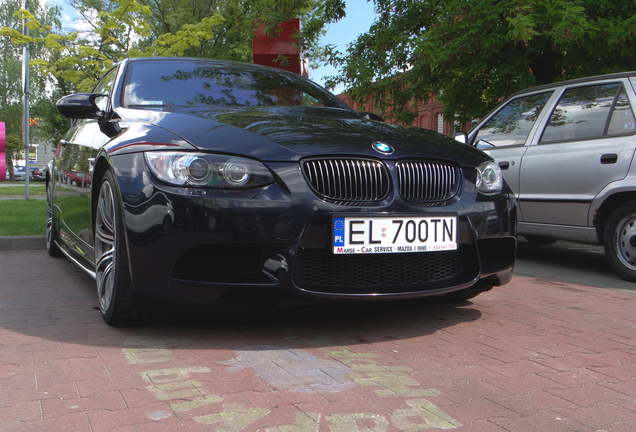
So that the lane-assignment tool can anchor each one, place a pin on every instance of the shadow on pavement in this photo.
(60, 305)
(569, 262)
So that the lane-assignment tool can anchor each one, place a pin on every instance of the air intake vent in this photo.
(426, 182)
(322, 271)
(348, 181)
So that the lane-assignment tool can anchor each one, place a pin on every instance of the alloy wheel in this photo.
(105, 246)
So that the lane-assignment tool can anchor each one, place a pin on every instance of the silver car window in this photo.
(512, 124)
(622, 121)
(590, 112)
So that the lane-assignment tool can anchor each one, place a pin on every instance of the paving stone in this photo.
(533, 401)
(600, 415)
(546, 420)
(534, 355)
(59, 407)
(479, 409)
(588, 395)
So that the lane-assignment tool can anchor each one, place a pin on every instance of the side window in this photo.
(622, 121)
(512, 124)
(590, 112)
(105, 87)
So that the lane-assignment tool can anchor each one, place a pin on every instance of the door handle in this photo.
(504, 165)
(610, 158)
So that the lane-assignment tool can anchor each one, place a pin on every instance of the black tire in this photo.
(620, 241)
(540, 241)
(118, 303)
(73, 183)
(51, 227)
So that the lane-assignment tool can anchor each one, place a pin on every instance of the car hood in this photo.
(291, 133)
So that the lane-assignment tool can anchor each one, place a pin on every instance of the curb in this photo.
(17, 243)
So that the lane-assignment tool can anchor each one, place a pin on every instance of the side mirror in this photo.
(483, 145)
(370, 116)
(80, 106)
(462, 137)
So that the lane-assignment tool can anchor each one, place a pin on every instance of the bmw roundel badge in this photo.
(381, 147)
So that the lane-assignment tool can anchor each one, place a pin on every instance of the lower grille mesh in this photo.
(323, 271)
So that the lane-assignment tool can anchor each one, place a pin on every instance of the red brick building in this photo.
(429, 114)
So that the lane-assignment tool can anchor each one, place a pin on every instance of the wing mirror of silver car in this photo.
(370, 116)
(461, 137)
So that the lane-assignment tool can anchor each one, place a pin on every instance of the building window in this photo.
(440, 123)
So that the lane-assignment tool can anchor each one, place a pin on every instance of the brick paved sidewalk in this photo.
(535, 355)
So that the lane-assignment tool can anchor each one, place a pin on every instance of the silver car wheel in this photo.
(626, 241)
(105, 246)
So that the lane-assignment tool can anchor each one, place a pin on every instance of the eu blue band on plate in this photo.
(339, 231)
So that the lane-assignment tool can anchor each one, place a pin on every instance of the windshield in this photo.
(178, 83)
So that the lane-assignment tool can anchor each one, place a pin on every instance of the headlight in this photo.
(210, 170)
(489, 179)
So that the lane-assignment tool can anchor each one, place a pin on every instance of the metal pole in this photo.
(25, 104)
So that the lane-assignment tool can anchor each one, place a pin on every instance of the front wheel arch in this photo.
(101, 166)
(119, 304)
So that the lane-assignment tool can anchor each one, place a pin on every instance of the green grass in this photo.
(12, 190)
(20, 217)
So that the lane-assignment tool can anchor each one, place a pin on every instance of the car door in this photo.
(102, 135)
(587, 143)
(71, 198)
(76, 156)
(505, 134)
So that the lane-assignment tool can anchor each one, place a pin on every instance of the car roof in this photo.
(613, 76)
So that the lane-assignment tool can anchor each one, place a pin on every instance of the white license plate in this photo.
(390, 234)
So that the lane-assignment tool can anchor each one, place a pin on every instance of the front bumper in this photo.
(191, 245)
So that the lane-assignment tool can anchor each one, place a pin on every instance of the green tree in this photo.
(472, 53)
(11, 69)
(66, 62)
(133, 28)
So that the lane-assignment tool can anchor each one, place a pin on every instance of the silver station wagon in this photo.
(567, 151)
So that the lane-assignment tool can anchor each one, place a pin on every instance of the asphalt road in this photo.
(569, 262)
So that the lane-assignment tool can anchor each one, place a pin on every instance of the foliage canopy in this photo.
(41, 89)
(118, 29)
(473, 53)
(65, 61)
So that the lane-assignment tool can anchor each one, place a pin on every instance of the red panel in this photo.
(2, 136)
(266, 50)
(293, 62)
(284, 43)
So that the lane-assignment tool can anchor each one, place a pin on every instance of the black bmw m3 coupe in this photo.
(201, 177)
